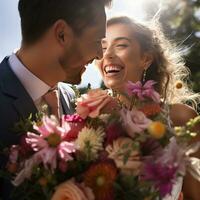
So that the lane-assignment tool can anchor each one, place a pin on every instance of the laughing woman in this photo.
(134, 52)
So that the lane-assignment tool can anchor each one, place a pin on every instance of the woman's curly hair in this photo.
(168, 68)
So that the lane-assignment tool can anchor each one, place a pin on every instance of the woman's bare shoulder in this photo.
(181, 113)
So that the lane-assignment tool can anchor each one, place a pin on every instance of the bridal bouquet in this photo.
(107, 150)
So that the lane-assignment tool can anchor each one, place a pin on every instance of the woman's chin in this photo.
(114, 84)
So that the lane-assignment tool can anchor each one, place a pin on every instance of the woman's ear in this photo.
(147, 60)
(63, 33)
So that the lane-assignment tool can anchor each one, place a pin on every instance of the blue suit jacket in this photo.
(16, 104)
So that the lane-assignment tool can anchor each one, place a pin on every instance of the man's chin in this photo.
(74, 81)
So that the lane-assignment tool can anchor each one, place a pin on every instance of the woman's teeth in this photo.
(112, 69)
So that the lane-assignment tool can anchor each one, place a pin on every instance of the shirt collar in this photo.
(35, 87)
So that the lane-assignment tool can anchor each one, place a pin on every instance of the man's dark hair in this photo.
(37, 16)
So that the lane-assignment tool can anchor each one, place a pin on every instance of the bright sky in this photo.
(10, 36)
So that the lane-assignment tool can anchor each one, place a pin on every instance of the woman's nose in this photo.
(109, 53)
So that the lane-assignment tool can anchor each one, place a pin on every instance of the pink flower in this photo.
(142, 91)
(73, 123)
(174, 155)
(50, 143)
(134, 121)
(163, 168)
(90, 104)
(70, 190)
(161, 175)
(72, 118)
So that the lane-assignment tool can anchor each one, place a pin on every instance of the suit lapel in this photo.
(64, 105)
(12, 87)
(66, 97)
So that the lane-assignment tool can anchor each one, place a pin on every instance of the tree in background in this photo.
(180, 20)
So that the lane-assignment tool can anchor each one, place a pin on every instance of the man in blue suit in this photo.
(59, 38)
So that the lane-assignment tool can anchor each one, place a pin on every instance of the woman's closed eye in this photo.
(122, 45)
(118, 46)
(104, 48)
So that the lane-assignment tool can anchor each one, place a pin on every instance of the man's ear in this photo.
(147, 60)
(63, 33)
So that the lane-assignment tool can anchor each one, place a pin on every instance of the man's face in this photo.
(83, 50)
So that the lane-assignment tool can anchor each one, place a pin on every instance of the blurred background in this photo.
(180, 20)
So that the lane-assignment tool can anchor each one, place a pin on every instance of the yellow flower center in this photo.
(157, 129)
(179, 85)
(100, 181)
(39, 123)
(54, 140)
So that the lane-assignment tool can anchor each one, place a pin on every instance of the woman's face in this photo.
(122, 57)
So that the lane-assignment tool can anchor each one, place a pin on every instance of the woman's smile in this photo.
(112, 70)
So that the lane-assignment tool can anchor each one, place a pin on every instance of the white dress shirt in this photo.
(35, 87)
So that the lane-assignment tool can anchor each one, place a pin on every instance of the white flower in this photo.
(90, 141)
(26, 172)
(121, 148)
(104, 117)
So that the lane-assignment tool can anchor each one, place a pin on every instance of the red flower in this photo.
(151, 109)
(100, 178)
(75, 123)
(113, 131)
(25, 149)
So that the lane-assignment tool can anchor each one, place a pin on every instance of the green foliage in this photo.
(193, 122)
(24, 125)
(127, 188)
(84, 89)
(28, 191)
(181, 23)
(32, 189)
(76, 91)
(186, 133)
(127, 149)
(196, 81)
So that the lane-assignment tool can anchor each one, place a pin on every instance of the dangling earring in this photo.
(144, 76)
